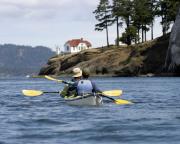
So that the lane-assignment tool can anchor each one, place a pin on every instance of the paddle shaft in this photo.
(50, 92)
(108, 97)
(57, 80)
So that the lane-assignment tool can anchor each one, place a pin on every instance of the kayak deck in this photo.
(88, 100)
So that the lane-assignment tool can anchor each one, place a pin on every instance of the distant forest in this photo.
(138, 16)
(23, 60)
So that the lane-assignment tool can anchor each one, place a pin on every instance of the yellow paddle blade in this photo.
(122, 102)
(112, 93)
(32, 92)
(51, 78)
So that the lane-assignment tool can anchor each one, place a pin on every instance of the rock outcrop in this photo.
(173, 54)
(142, 59)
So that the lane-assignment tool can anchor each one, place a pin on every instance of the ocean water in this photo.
(154, 118)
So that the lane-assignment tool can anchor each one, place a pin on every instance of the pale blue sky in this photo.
(52, 22)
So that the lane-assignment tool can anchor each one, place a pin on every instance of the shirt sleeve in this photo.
(95, 87)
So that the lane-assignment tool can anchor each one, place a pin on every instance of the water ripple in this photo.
(154, 118)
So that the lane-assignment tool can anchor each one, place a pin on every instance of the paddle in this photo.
(38, 92)
(107, 93)
(118, 101)
(112, 93)
(34, 92)
(57, 80)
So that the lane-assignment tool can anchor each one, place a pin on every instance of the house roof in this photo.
(76, 42)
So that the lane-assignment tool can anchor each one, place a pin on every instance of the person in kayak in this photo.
(85, 85)
(81, 84)
(71, 89)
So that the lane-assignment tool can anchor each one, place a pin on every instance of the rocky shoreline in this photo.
(160, 57)
(145, 59)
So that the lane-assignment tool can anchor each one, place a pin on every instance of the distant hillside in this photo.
(136, 60)
(22, 60)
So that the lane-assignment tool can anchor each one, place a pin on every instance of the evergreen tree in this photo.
(142, 16)
(104, 16)
(153, 4)
(162, 11)
(167, 10)
(124, 10)
(130, 32)
(173, 7)
(116, 11)
(137, 15)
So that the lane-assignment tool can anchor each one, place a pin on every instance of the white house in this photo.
(76, 45)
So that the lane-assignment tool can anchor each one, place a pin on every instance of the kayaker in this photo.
(82, 85)
(71, 89)
(86, 86)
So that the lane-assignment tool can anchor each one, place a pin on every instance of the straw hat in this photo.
(77, 72)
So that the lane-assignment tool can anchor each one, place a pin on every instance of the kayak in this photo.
(87, 100)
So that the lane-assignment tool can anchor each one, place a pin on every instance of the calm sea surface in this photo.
(47, 119)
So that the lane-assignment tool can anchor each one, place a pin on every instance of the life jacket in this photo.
(84, 87)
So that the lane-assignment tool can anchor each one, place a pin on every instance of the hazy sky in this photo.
(51, 22)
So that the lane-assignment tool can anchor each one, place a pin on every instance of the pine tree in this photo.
(167, 10)
(125, 11)
(130, 32)
(153, 4)
(142, 16)
(104, 16)
(116, 11)
(172, 9)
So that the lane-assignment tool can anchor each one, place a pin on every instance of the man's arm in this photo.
(95, 87)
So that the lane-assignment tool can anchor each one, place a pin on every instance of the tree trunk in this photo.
(128, 37)
(152, 31)
(138, 35)
(152, 24)
(142, 34)
(117, 39)
(107, 35)
(164, 24)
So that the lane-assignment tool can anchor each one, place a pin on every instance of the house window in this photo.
(67, 48)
